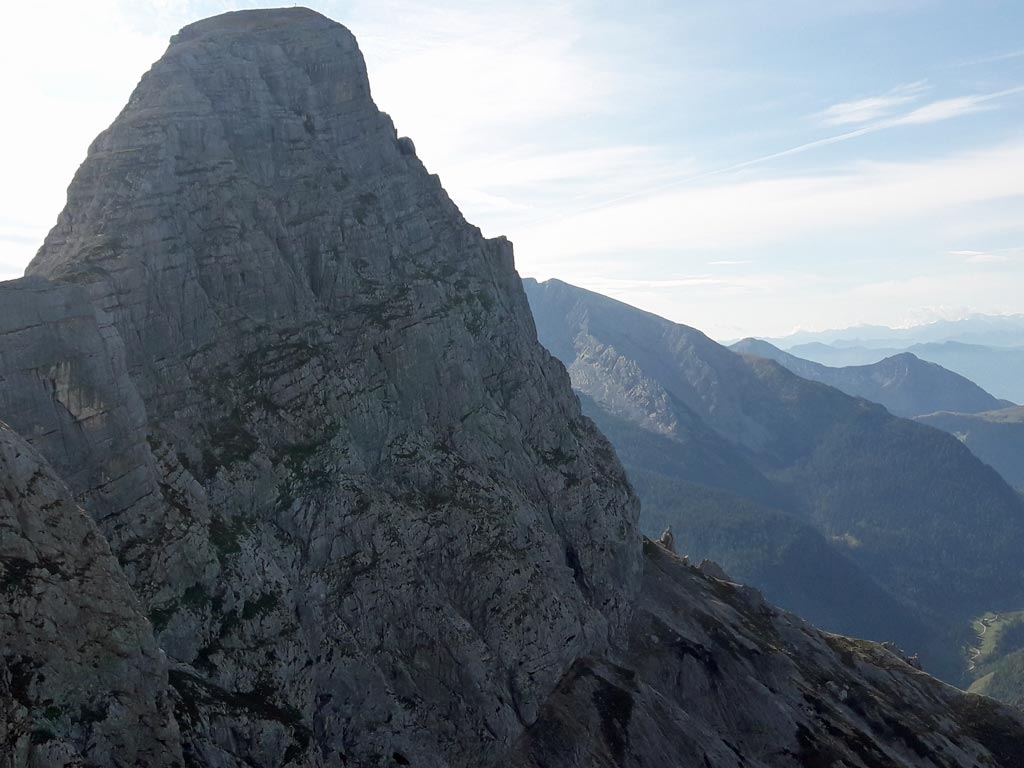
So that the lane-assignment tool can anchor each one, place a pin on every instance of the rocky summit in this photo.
(288, 480)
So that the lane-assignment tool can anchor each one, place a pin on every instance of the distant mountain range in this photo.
(987, 349)
(791, 484)
(993, 429)
(984, 330)
(903, 383)
(999, 370)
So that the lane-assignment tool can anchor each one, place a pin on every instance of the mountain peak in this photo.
(250, 145)
(907, 358)
(337, 398)
(255, 22)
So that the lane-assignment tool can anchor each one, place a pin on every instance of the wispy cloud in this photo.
(991, 59)
(995, 256)
(948, 109)
(756, 213)
(660, 291)
(873, 107)
(938, 111)
(614, 285)
(979, 257)
(521, 183)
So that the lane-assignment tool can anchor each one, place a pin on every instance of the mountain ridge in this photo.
(847, 467)
(903, 383)
(996, 437)
(999, 370)
(978, 328)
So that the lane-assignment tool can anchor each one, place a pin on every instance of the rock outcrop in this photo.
(82, 681)
(303, 400)
(368, 517)
(713, 676)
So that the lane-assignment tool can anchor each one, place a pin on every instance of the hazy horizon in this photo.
(746, 171)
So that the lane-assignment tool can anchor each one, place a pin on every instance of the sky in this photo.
(744, 167)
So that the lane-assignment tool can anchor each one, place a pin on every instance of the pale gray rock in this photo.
(65, 388)
(668, 540)
(712, 677)
(414, 531)
(713, 570)
(82, 681)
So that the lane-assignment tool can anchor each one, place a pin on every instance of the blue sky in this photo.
(744, 167)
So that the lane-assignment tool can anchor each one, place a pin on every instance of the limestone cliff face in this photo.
(399, 528)
(66, 389)
(304, 402)
(81, 677)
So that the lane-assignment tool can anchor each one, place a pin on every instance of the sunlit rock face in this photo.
(304, 403)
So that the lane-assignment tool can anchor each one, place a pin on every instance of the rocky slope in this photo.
(746, 527)
(81, 677)
(904, 503)
(995, 437)
(318, 407)
(700, 644)
(1003, 680)
(303, 401)
(903, 383)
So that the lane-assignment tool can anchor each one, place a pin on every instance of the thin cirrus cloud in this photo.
(879, 111)
(871, 108)
(994, 58)
(659, 290)
(996, 256)
(933, 112)
(757, 212)
(515, 187)
(947, 109)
